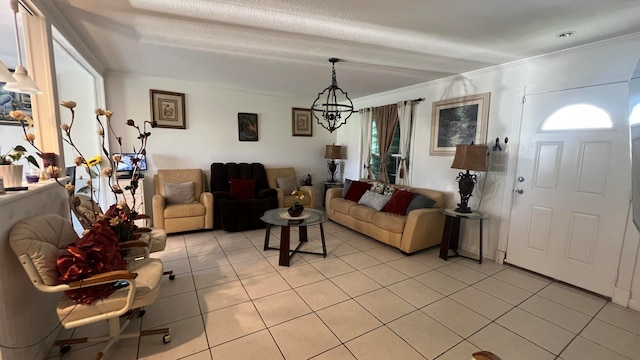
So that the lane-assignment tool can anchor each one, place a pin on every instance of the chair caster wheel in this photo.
(172, 277)
(166, 338)
(65, 349)
(141, 313)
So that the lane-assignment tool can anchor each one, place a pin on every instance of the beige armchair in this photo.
(286, 199)
(180, 202)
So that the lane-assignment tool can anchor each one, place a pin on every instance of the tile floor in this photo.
(366, 300)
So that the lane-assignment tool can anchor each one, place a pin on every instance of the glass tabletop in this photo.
(280, 217)
(476, 215)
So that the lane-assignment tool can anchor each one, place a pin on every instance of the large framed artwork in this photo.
(168, 109)
(460, 120)
(247, 127)
(301, 124)
(10, 101)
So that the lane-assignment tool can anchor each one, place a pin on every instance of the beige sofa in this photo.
(420, 229)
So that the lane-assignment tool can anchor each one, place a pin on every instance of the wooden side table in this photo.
(451, 233)
(328, 185)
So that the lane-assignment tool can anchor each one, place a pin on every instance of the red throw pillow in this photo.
(356, 190)
(399, 202)
(242, 189)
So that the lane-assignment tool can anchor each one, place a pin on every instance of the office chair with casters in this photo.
(38, 243)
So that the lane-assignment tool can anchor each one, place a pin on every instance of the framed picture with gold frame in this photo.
(301, 122)
(461, 120)
(168, 109)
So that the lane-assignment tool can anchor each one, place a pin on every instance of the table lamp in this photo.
(468, 157)
(333, 153)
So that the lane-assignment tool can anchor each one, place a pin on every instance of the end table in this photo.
(451, 233)
(328, 185)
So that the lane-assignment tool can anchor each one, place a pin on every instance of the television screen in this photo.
(126, 164)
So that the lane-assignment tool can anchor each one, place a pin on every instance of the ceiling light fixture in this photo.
(23, 83)
(329, 113)
(565, 34)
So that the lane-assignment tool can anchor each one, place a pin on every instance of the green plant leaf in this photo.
(32, 160)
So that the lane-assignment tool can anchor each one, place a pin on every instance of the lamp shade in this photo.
(23, 83)
(470, 157)
(333, 152)
(5, 74)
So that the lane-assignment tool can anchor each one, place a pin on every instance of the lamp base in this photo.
(333, 169)
(466, 182)
(463, 209)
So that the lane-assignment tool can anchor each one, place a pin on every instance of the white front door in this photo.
(572, 190)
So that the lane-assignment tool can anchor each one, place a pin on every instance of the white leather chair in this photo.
(40, 240)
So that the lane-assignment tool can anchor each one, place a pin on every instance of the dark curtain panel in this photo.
(386, 118)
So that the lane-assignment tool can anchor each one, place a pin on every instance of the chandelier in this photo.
(327, 109)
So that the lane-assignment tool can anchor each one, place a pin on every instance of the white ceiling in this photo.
(283, 46)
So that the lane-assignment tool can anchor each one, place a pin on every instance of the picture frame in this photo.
(301, 122)
(461, 120)
(10, 101)
(247, 127)
(168, 109)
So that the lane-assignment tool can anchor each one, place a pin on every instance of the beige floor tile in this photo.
(301, 275)
(338, 353)
(539, 331)
(624, 318)
(486, 305)
(415, 293)
(332, 267)
(303, 337)
(571, 297)
(182, 306)
(424, 334)
(202, 355)
(229, 244)
(408, 266)
(463, 351)
(280, 307)
(581, 349)
(321, 294)
(220, 296)
(488, 266)
(508, 345)
(558, 314)
(462, 273)
(263, 285)
(460, 319)
(613, 338)
(179, 285)
(385, 253)
(202, 262)
(355, 283)
(259, 345)
(187, 338)
(502, 290)
(342, 249)
(251, 268)
(245, 254)
(170, 254)
(523, 279)
(360, 260)
(384, 274)
(231, 323)
(124, 349)
(194, 238)
(204, 248)
(214, 276)
(385, 305)
(179, 267)
(348, 320)
(440, 282)
(382, 344)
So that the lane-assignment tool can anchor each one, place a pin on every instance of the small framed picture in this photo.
(168, 109)
(301, 122)
(457, 121)
(10, 101)
(247, 127)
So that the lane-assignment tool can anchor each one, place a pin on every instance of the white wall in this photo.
(604, 62)
(212, 129)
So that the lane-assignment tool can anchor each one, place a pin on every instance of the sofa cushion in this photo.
(363, 213)
(399, 202)
(184, 210)
(420, 202)
(342, 205)
(180, 193)
(288, 184)
(356, 190)
(242, 189)
(373, 200)
(389, 222)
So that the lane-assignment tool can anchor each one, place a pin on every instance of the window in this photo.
(393, 157)
(578, 117)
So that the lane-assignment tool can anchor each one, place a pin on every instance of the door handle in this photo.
(519, 191)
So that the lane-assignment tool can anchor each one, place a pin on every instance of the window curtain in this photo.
(367, 119)
(386, 118)
(405, 120)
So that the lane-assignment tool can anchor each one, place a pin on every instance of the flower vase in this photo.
(295, 210)
(11, 175)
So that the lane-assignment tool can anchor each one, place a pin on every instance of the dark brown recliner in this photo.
(231, 213)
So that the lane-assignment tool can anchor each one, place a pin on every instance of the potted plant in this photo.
(297, 209)
(12, 173)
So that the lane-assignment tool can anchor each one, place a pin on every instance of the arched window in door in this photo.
(578, 117)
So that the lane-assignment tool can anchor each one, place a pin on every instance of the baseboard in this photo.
(621, 297)
(634, 304)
